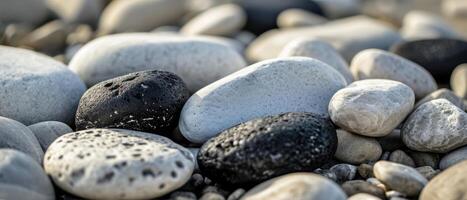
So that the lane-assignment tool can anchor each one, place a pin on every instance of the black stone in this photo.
(264, 148)
(439, 56)
(149, 101)
(262, 14)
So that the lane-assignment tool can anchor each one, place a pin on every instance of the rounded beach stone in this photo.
(399, 156)
(148, 101)
(222, 20)
(321, 50)
(23, 11)
(443, 94)
(373, 107)
(360, 186)
(17, 136)
(344, 172)
(448, 185)
(363, 196)
(36, 88)
(295, 17)
(139, 15)
(374, 63)
(419, 25)
(47, 132)
(23, 178)
(453, 158)
(261, 148)
(459, 81)
(77, 11)
(425, 159)
(117, 164)
(50, 37)
(197, 61)
(399, 177)
(427, 171)
(340, 8)
(296, 186)
(266, 88)
(357, 149)
(437, 126)
(439, 56)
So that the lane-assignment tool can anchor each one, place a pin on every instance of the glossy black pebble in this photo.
(263, 148)
(148, 101)
(439, 56)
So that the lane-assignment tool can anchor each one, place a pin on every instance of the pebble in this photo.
(391, 142)
(427, 171)
(363, 196)
(223, 20)
(439, 56)
(212, 196)
(236, 194)
(23, 178)
(399, 177)
(349, 36)
(453, 158)
(372, 107)
(47, 132)
(139, 16)
(266, 88)
(30, 12)
(376, 183)
(296, 186)
(77, 11)
(262, 14)
(454, 8)
(448, 185)
(148, 101)
(365, 171)
(295, 17)
(419, 25)
(437, 126)
(344, 172)
(183, 196)
(395, 194)
(326, 173)
(459, 81)
(36, 80)
(195, 60)
(359, 186)
(321, 50)
(379, 64)
(266, 144)
(443, 94)
(17, 136)
(117, 164)
(14, 34)
(50, 37)
(340, 8)
(357, 149)
(399, 156)
(425, 159)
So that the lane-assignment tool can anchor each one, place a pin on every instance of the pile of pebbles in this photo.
(233, 99)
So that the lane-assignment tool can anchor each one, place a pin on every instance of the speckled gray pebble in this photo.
(399, 177)
(47, 132)
(399, 156)
(356, 149)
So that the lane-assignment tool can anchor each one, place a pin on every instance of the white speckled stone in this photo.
(419, 25)
(459, 81)
(357, 149)
(349, 36)
(372, 107)
(266, 88)
(77, 11)
(296, 186)
(36, 88)
(222, 20)
(23, 178)
(321, 50)
(139, 15)
(453, 158)
(197, 61)
(363, 196)
(23, 11)
(117, 164)
(437, 126)
(443, 94)
(47, 132)
(401, 178)
(295, 17)
(374, 64)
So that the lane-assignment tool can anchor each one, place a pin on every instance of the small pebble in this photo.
(361, 186)
(356, 149)
(427, 171)
(459, 81)
(399, 156)
(399, 177)
(295, 17)
(365, 171)
(363, 196)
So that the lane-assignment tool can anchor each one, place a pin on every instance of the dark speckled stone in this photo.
(263, 148)
(439, 56)
(148, 101)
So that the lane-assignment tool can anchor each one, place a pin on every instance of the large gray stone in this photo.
(437, 126)
(449, 185)
(36, 88)
(198, 61)
(23, 178)
(23, 11)
(372, 107)
(373, 64)
(357, 149)
(399, 177)
(47, 132)
(266, 88)
(296, 186)
(117, 164)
